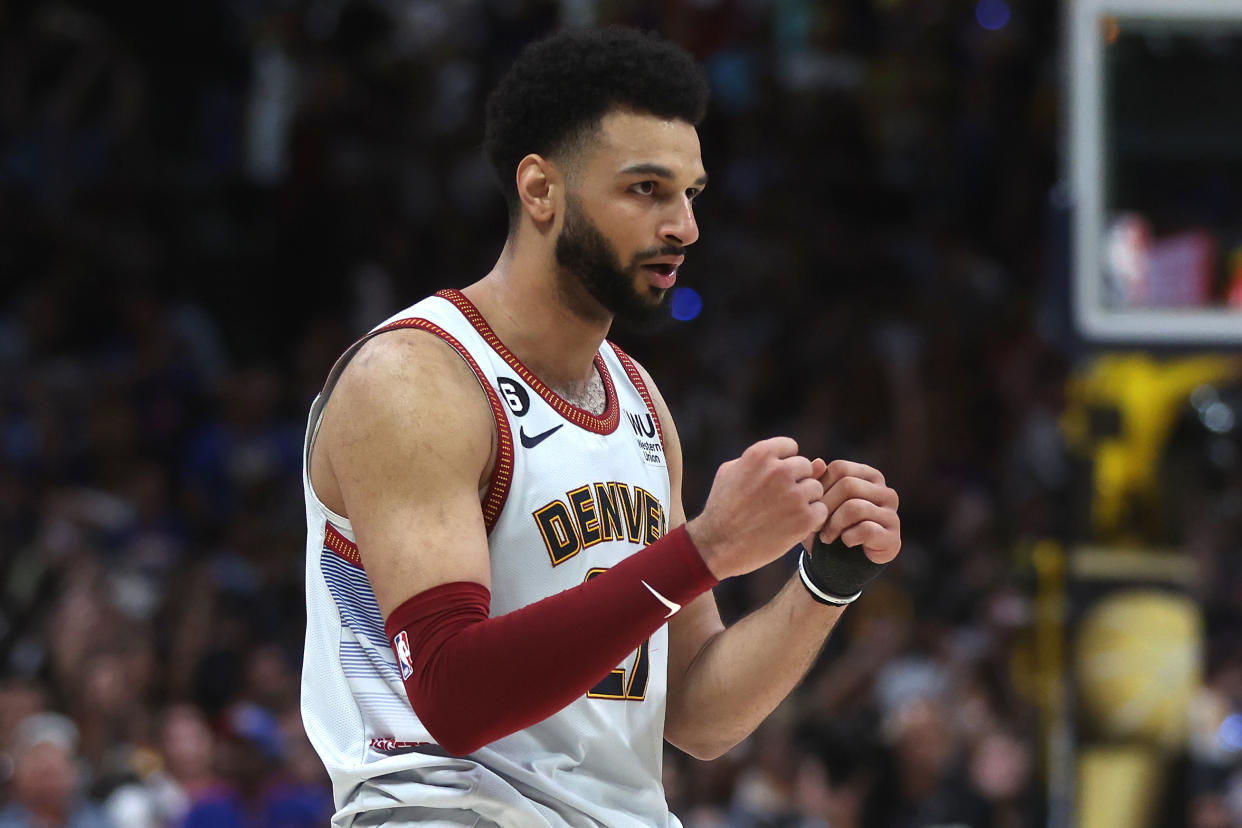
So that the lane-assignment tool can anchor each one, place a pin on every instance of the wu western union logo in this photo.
(596, 513)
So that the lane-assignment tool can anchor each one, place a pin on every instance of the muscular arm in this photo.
(723, 682)
(404, 469)
(404, 442)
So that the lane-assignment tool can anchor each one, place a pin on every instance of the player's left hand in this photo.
(862, 509)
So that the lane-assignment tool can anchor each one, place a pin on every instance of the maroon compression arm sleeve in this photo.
(476, 679)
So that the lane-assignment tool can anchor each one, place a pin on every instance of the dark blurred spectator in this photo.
(1001, 772)
(158, 785)
(256, 788)
(926, 785)
(244, 460)
(47, 778)
(765, 792)
(18, 700)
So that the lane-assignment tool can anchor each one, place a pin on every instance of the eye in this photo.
(645, 188)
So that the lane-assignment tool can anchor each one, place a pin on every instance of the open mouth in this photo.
(663, 274)
(661, 269)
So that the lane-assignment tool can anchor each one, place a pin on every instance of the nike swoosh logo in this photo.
(673, 606)
(531, 442)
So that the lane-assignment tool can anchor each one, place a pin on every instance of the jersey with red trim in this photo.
(572, 494)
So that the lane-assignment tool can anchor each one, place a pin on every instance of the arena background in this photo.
(202, 204)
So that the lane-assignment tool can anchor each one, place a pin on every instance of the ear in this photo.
(539, 185)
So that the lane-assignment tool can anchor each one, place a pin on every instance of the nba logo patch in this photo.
(401, 645)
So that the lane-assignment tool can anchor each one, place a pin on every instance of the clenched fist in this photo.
(760, 505)
(862, 510)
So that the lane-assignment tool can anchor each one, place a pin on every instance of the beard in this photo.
(586, 259)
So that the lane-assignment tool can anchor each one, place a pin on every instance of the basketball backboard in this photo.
(1155, 151)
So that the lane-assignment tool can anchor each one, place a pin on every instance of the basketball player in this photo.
(508, 612)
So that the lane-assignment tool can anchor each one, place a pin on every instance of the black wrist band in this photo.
(818, 595)
(835, 574)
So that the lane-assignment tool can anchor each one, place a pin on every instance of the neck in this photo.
(525, 306)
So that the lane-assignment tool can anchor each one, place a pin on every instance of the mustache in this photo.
(667, 250)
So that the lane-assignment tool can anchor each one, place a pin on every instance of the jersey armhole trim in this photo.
(502, 470)
(631, 371)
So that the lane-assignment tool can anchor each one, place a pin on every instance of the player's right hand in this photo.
(760, 506)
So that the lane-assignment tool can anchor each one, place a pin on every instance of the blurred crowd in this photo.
(202, 204)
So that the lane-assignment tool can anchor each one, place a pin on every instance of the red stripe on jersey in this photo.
(344, 548)
(631, 370)
(605, 423)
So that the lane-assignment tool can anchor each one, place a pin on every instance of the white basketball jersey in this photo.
(572, 494)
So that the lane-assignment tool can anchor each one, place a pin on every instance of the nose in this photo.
(680, 228)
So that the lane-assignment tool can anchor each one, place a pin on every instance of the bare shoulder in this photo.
(406, 367)
(405, 440)
(406, 396)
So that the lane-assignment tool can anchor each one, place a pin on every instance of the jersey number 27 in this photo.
(616, 685)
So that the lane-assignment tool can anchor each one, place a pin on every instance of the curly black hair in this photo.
(560, 87)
